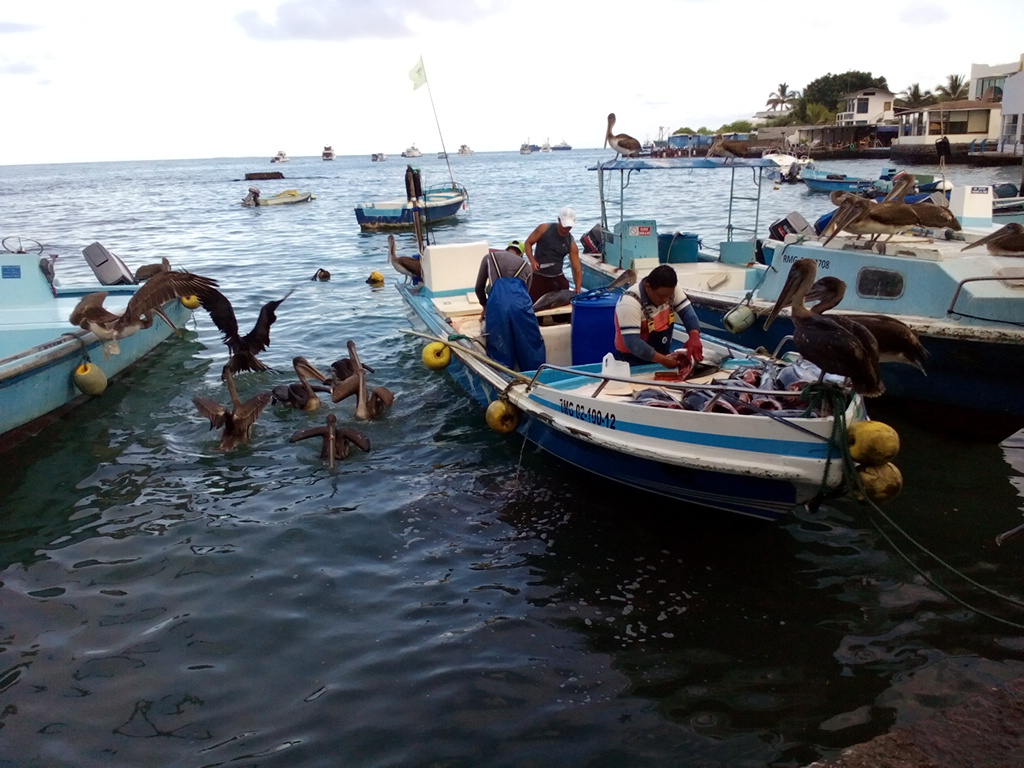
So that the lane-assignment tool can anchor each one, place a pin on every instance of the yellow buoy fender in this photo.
(437, 355)
(881, 483)
(873, 443)
(192, 302)
(502, 417)
(90, 379)
(375, 279)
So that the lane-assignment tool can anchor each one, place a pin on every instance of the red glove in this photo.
(694, 347)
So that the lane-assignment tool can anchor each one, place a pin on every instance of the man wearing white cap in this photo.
(553, 242)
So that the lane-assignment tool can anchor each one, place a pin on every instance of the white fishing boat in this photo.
(328, 153)
(286, 197)
(465, 150)
(691, 440)
(280, 157)
(378, 157)
(526, 149)
(789, 166)
(412, 151)
(41, 351)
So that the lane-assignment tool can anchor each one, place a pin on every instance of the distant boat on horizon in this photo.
(562, 146)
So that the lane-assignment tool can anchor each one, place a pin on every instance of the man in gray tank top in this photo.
(546, 249)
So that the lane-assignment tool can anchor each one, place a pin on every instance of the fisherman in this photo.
(644, 318)
(513, 334)
(553, 242)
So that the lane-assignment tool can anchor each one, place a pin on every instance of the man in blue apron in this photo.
(513, 335)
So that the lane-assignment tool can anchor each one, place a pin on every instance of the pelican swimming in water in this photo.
(1005, 241)
(337, 441)
(302, 395)
(237, 422)
(860, 216)
(897, 342)
(147, 301)
(369, 405)
(623, 144)
(243, 349)
(146, 271)
(405, 265)
(827, 343)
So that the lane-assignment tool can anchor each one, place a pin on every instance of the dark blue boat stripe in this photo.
(792, 448)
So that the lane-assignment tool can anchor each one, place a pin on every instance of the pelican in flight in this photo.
(302, 395)
(148, 301)
(237, 422)
(243, 349)
(1005, 241)
(404, 265)
(860, 216)
(337, 441)
(897, 342)
(623, 144)
(825, 342)
(146, 271)
(369, 405)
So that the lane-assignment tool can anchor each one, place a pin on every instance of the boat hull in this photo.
(37, 386)
(401, 214)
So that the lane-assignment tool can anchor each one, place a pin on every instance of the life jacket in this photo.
(653, 320)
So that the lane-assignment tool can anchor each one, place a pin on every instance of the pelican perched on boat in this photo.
(302, 395)
(1005, 241)
(860, 216)
(237, 422)
(405, 265)
(728, 148)
(623, 144)
(146, 271)
(243, 349)
(337, 441)
(936, 216)
(897, 342)
(90, 314)
(827, 343)
(369, 405)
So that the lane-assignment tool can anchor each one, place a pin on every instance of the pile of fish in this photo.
(752, 387)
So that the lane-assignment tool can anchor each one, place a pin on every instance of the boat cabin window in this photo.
(877, 283)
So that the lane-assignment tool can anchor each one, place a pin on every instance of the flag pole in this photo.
(418, 75)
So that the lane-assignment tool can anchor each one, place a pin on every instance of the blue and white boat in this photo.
(821, 180)
(966, 307)
(438, 204)
(629, 425)
(40, 349)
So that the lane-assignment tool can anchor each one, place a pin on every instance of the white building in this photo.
(1011, 138)
(872, 106)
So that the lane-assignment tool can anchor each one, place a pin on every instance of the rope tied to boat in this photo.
(829, 395)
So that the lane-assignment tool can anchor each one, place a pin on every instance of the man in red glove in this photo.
(644, 317)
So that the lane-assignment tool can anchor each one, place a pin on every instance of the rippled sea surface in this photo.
(451, 598)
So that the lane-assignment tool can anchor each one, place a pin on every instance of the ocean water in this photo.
(453, 597)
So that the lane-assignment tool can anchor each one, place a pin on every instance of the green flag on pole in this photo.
(418, 74)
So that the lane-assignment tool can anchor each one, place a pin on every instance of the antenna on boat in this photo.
(418, 75)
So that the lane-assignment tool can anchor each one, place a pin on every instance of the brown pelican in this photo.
(405, 265)
(897, 342)
(90, 314)
(824, 341)
(243, 349)
(903, 184)
(936, 216)
(146, 271)
(860, 216)
(369, 405)
(722, 147)
(237, 422)
(337, 441)
(322, 275)
(623, 144)
(344, 367)
(301, 394)
(1005, 241)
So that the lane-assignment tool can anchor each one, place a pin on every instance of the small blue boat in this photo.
(820, 180)
(39, 348)
(685, 439)
(438, 204)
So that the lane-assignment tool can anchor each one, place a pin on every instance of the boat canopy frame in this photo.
(627, 165)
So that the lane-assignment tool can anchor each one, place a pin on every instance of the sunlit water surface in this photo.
(451, 598)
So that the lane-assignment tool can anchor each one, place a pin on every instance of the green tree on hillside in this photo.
(914, 98)
(819, 114)
(954, 89)
(830, 90)
(782, 98)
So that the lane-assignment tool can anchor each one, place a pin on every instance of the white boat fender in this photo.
(739, 318)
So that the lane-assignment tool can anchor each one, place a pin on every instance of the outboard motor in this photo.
(253, 198)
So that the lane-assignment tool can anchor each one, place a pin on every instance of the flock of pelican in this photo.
(236, 420)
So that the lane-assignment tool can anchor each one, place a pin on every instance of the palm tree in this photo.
(954, 89)
(782, 98)
(914, 97)
(819, 114)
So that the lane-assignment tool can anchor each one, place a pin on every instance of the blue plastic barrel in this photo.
(593, 326)
(678, 248)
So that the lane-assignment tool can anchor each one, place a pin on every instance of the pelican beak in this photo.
(303, 366)
(999, 233)
(847, 213)
(785, 296)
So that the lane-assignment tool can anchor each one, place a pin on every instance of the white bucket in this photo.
(612, 367)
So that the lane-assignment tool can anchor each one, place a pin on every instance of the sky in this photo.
(112, 80)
